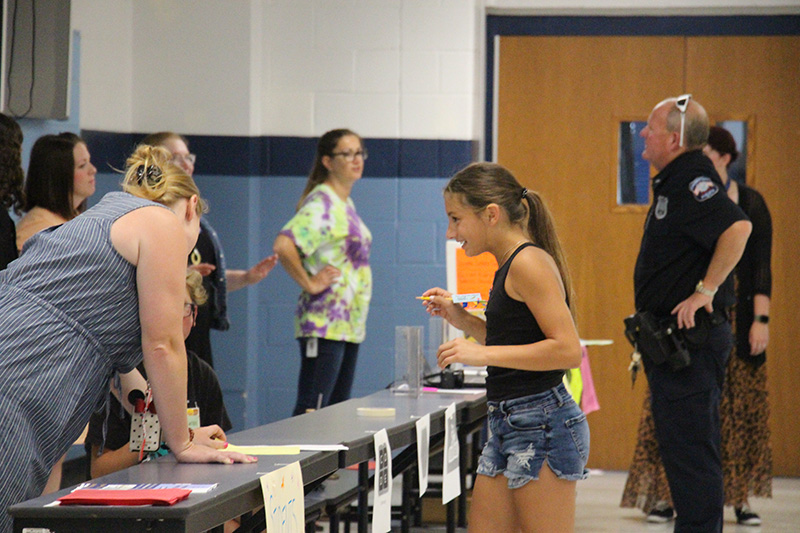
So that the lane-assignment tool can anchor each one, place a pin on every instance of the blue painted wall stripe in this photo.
(643, 26)
(292, 156)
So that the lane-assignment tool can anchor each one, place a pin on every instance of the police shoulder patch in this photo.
(703, 188)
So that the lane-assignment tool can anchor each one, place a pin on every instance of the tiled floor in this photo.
(598, 509)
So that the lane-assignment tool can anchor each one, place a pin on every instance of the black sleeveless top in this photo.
(510, 322)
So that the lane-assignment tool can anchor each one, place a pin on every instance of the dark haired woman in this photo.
(538, 436)
(60, 179)
(744, 407)
(325, 249)
(11, 178)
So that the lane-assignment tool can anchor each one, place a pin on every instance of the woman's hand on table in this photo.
(208, 446)
(199, 453)
(211, 436)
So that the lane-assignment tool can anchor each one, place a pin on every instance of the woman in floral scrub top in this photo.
(325, 248)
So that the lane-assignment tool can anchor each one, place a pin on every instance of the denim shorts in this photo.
(525, 432)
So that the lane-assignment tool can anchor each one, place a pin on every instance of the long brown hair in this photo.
(481, 184)
(12, 176)
(325, 147)
(51, 175)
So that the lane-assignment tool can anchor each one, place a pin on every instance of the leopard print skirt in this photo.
(744, 416)
(647, 482)
(746, 451)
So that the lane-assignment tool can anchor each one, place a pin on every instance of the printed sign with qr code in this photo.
(383, 470)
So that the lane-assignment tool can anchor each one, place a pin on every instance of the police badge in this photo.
(661, 207)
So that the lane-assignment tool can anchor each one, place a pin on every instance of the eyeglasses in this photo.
(682, 103)
(189, 310)
(189, 158)
(350, 156)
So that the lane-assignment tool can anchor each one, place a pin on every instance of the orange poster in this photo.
(474, 274)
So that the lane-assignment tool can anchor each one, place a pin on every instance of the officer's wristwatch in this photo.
(702, 290)
(764, 319)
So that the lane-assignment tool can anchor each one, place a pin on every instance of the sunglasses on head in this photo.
(682, 103)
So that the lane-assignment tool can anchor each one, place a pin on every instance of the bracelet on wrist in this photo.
(702, 289)
(191, 435)
(763, 319)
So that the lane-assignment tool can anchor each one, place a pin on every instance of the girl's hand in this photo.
(461, 350)
(440, 303)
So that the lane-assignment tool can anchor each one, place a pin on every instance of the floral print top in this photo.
(328, 231)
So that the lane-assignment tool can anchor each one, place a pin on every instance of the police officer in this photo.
(693, 237)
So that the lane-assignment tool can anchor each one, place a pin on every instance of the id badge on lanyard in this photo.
(193, 414)
(312, 346)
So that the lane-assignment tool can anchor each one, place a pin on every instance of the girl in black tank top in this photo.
(537, 432)
(510, 322)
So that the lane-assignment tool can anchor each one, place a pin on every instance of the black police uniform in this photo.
(690, 211)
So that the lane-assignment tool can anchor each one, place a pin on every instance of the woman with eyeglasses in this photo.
(325, 248)
(11, 183)
(60, 179)
(87, 301)
(208, 258)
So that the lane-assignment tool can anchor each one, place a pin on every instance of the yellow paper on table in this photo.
(263, 450)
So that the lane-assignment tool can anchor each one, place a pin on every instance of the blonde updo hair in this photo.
(150, 174)
(194, 284)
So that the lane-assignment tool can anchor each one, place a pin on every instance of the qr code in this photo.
(383, 469)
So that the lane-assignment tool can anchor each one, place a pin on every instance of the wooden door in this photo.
(758, 79)
(560, 102)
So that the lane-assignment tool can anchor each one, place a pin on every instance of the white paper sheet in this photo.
(451, 484)
(382, 495)
(284, 502)
(423, 451)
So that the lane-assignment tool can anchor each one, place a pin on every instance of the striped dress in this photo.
(69, 318)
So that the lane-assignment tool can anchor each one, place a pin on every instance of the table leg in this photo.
(405, 520)
(451, 516)
(363, 492)
(462, 468)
